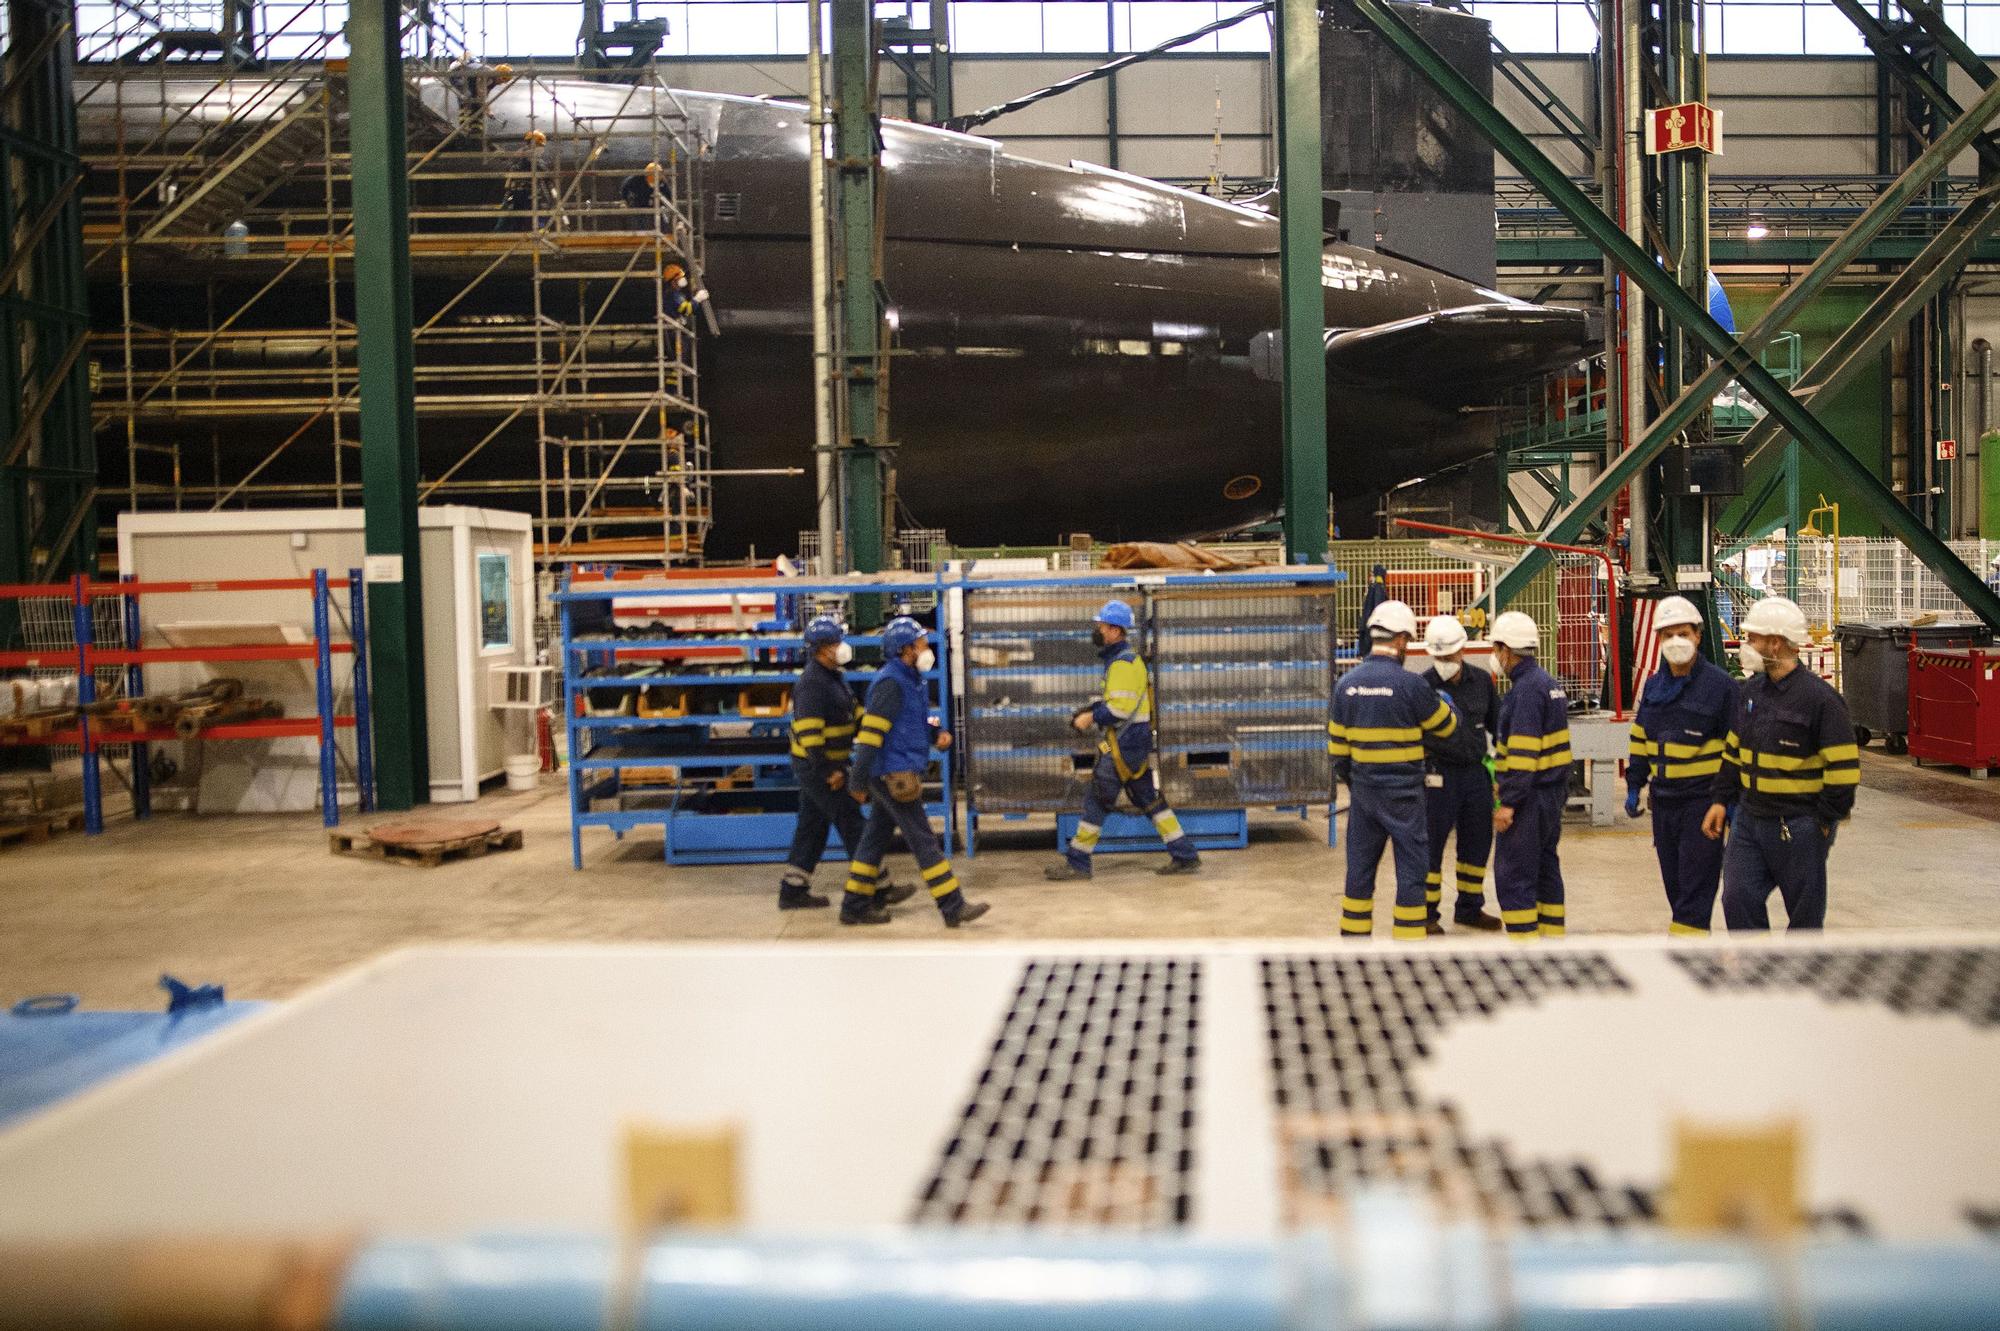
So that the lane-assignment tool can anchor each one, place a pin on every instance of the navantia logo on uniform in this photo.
(1359, 691)
(1557, 693)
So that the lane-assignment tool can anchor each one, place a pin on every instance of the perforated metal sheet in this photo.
(1085, 1112)
(1963, 982)
(1346, 1035)
(1233, 1089)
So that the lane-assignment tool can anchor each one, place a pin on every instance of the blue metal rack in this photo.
(702, 820)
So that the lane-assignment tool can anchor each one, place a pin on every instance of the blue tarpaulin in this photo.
(50, 1050)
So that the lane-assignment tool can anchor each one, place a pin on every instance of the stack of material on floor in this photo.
(1182, 555)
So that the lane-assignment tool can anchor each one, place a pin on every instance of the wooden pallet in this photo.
(423, 845)
(35, 830)
(34, 726)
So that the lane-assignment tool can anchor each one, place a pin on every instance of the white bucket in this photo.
(524, 771)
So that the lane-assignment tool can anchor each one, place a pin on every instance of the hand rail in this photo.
(1611, 584)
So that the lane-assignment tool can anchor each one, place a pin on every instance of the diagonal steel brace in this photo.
(1683, 309)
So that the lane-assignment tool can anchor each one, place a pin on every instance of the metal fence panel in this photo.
(1568, 600)
(1873, 579)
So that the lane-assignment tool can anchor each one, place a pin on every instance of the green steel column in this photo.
(940, 63)
(388, 402)
(857, 153)
(1300, 239)
(48, 457)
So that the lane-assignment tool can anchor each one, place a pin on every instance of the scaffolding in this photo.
(556, 256)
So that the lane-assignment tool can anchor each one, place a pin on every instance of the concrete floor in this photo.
(257, 902)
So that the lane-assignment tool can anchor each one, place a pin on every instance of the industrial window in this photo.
(1084, 28)
(1734, 27)
(496, 29)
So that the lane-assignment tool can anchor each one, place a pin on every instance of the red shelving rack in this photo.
(87, 658)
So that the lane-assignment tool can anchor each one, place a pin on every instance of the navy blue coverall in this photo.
(824, 715)
(1381, 716)
(1791, 763)
(1124, 760)
(1677, 741)
(1532, 741)
(1458, 791)
(896, 736)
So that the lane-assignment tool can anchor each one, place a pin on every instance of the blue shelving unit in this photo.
(708, 814)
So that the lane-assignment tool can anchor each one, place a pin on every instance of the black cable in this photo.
(966, 123)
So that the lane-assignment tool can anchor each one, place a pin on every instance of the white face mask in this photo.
(926, 660)
(1752, 660)
(1448, 670)
(843, 653)
(1678, 651)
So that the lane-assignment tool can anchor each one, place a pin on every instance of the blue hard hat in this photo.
(899, 633)
(1117, 614)
(824, 632)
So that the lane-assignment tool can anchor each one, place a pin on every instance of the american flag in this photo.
(1645, 647)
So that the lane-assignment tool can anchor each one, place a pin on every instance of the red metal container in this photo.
(1955, 706)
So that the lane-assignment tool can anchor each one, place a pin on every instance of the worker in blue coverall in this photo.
(1677, 740)
(1532, 744)
(1378, 592)
(1124, 752)
(824, 717)
(1458, 783)
(1382, 714)
(1790, 769)
(892, 751)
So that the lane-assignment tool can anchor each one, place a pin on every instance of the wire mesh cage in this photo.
(1028, 665)
(1244, 678)
(1241, 678)
(46, 625)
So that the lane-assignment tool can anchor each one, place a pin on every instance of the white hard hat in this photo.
(1391, 618)
(1779, 617)
(1513, 629)
(1444, 635)
(1675, 611)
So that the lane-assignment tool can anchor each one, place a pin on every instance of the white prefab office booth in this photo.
(477, 586)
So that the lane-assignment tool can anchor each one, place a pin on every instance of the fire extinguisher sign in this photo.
(1947, 450)
(1684, 128)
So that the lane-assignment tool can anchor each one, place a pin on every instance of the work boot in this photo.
(1482, 922)
(965, 914)
(1432, 929)
(1066, 872)
(894, 894)
(867, 914)
(799, 896)
(1172, 867)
